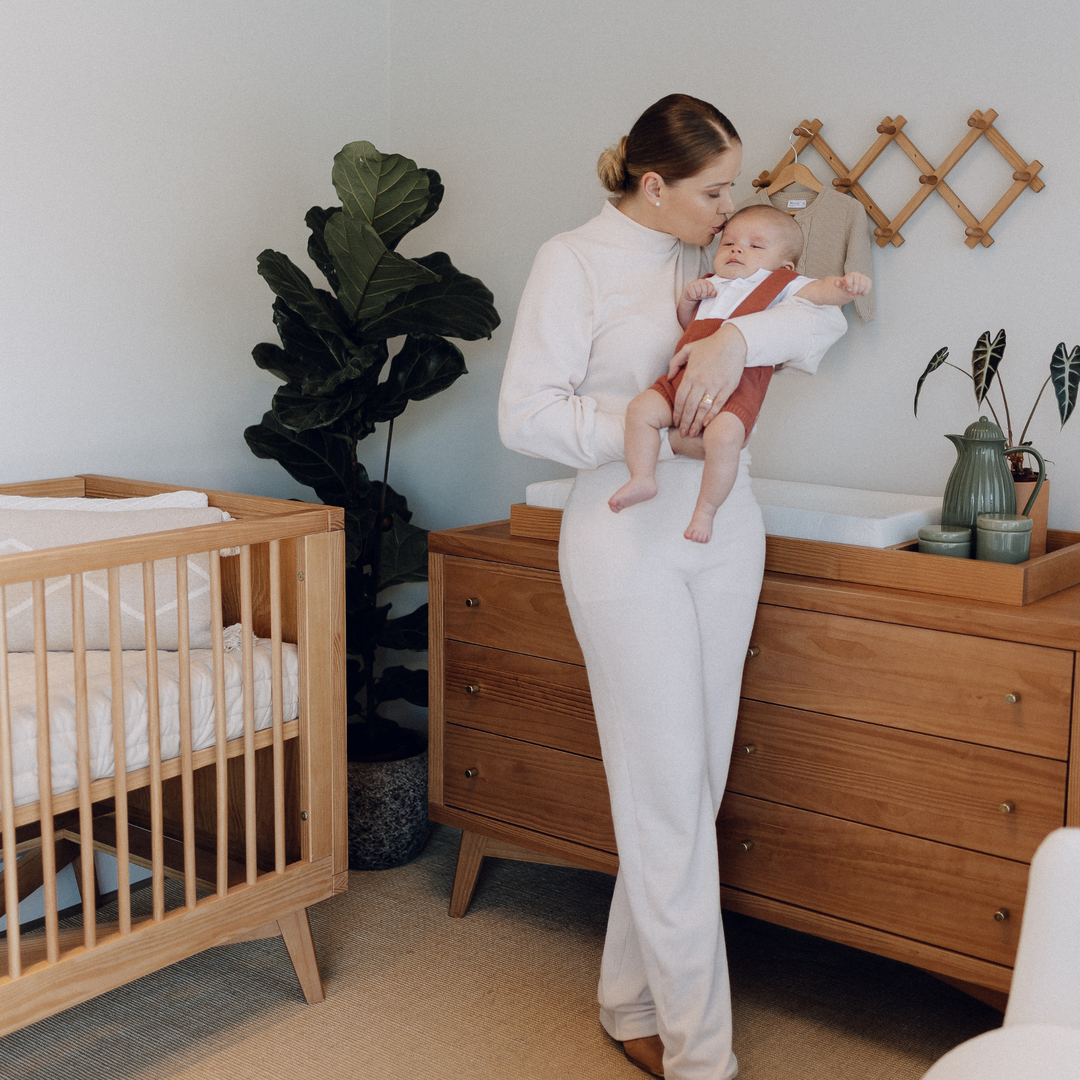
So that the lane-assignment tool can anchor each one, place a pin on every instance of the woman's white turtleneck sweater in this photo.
(597, 325)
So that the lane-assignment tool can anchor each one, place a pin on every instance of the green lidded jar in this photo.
(953, 541)
(1004, 538)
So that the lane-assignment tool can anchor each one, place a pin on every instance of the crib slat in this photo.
(7, 806)
(116, 670)
(153, 711)
(45, 785)
(82, 735)
(217, 619)
(276, 691)
(247, 624)
(187, 780)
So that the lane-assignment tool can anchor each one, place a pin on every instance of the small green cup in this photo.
(951, 540)
(1004, 538)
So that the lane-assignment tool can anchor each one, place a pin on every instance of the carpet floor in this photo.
(507, 993)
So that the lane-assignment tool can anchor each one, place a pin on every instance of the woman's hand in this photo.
(714, 366)
(686, 446)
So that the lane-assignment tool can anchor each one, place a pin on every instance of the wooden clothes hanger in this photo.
(794, 173)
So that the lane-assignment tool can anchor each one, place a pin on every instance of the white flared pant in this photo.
(664, 624)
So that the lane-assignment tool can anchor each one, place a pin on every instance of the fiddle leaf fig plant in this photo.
(986, 357)
(343, 375)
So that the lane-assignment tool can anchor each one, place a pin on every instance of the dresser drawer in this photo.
(936, 788)
(508, 607)
(550, 791)
(922, 680)
(525, 697)
(915, 888)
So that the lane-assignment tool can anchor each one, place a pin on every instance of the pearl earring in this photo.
(657, 202)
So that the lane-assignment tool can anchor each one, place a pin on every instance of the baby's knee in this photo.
(649, 407)
(725, 432)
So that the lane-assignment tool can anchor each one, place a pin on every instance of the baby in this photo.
(754, 268)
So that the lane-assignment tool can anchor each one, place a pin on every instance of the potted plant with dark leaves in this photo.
(351, 359)
(1064, 376)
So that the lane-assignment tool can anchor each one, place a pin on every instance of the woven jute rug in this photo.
(507, 992)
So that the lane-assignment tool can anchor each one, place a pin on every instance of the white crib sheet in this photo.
(99, 698)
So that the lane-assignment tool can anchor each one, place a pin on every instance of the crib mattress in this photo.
(63, 738)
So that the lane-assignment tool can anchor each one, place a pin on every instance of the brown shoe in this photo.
(647, 1054)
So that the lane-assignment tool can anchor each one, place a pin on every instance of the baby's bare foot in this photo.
(700, 528)
(632, 492)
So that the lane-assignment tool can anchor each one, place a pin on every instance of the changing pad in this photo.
(811, 511)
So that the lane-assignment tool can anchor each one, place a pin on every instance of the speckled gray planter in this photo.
(388, 820)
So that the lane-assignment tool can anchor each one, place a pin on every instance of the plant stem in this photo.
(373, 587)
(987, 401)
(1033, 408)
(1008, 418)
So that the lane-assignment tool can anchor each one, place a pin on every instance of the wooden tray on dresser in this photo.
(898, 567)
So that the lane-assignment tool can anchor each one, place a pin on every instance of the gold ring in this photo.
(707, 401)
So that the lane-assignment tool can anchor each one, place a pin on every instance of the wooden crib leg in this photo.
(296, 930)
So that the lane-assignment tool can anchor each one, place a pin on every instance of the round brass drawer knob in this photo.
(472, 688)
(1001, 914)
(1007, 807)
(746, 845)
(472, 601)
(749, 749)
(1012, 699)
(471, 774)
(754, 650)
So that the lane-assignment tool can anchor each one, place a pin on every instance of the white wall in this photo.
(152, 149)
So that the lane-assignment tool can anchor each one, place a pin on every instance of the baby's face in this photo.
(747, 246)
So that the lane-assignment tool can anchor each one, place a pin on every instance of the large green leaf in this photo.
(410, 632)
(424, 366)
(387, 191)
(316, 458)
(404, 554)
(316, 306)
(936, 361)
(361, 364)
(402, 682)
(301, 411)
(315, 351)
(456, 306)
(315, 219)
(369, 274)
(985, 358)
(1065, 373)
(435, 197)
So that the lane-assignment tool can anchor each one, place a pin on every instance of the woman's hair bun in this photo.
(611, 167)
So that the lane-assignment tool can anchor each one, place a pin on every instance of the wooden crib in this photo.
(252, 829)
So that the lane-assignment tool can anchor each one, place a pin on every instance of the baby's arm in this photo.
(836, 290)
(694, 293)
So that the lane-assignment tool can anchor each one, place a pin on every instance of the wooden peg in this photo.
(979, 122)
(1025, 176)
(886, 129)
(802, 133)
(885, 234)
(977, 233)
(928, 178)
(843, 182)
(761, 181)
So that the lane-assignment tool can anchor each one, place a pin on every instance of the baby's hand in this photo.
(699, 290)
(855, 283)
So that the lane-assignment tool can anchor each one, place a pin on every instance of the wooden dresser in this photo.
(898, 757)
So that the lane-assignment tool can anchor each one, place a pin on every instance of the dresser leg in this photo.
(470, 858)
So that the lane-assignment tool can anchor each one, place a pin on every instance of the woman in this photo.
(663, 623)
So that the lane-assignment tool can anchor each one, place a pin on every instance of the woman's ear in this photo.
(651, 186)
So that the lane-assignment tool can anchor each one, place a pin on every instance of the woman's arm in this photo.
(540, 413)
(795, 333)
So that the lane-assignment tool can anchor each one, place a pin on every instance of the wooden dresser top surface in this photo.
(1053, 622)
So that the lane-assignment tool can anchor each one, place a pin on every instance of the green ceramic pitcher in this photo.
(981, 482)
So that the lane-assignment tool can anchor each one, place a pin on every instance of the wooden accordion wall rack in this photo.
(890, 130)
